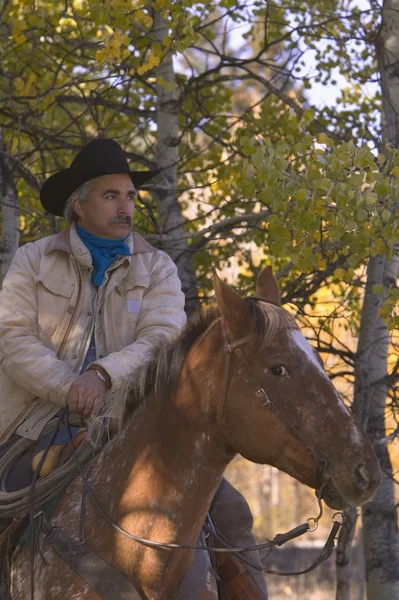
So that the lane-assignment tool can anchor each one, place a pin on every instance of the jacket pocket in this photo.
(129, 297)
(53, 306)
(58, 288)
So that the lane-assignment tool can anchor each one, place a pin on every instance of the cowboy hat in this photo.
(99, 157)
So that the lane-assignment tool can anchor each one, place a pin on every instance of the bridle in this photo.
(232, 346)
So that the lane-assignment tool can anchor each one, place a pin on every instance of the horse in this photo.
(241, 378)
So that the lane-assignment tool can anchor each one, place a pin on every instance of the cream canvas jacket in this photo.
(49, 311)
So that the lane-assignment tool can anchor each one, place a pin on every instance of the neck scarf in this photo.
(103, 252)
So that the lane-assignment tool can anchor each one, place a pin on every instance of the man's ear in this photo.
(266, 286)
(77, 207)
(236, 312)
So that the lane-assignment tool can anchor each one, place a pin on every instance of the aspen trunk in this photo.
(379, 516)
(380, 530)
(167, 157)
(9, 212)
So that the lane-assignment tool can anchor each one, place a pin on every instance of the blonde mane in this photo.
(159, 373)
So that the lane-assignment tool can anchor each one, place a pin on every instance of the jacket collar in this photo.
(69, 241)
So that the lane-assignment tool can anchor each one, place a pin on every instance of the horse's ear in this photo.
(266, 286)
(232, 307)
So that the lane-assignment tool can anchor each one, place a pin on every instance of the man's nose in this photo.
(125, 206)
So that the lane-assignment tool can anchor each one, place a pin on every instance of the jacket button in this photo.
(101, 356)
(89, 313)
(75, 356)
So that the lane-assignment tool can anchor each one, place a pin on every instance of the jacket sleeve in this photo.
(161, 319)
(23, 357)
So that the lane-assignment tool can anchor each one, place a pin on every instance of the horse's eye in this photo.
(279, 371)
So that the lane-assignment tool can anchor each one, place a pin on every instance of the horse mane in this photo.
(159, 373)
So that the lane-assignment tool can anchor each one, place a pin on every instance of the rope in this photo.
(16, 504)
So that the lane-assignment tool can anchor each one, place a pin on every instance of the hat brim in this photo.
(56, 190)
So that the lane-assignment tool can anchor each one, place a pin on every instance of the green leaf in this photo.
(308, 115)
(386, 215)
(353, 260)
(336, 233)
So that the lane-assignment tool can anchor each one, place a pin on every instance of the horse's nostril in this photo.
(362, 477)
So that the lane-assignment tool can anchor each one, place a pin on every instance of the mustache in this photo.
(123, 219)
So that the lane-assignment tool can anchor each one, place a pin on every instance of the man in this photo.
(81, 310)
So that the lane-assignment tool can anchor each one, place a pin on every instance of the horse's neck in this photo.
(161, 475)
(176, 462)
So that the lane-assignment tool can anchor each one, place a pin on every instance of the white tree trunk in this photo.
(9, 212)
(379, 516)
(167, 157)
(380, 529)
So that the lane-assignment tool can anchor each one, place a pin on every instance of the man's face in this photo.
(108, 213)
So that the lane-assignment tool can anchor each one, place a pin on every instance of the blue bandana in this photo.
(103, 252)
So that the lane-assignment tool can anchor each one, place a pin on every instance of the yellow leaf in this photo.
(19, 84)
(339, 273)
(20, 38)
(154, 60)
(100, 56)
(395, 171)
(322, 139)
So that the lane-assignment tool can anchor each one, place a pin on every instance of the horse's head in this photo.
(278, 406)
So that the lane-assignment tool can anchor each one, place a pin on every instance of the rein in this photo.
(278, 540)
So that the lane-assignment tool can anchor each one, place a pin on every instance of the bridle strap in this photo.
(230, 346)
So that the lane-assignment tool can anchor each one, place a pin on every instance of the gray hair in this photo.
(81, 193)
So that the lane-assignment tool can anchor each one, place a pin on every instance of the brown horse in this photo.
(240, 379)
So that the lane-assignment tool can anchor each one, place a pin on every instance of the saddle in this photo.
(57, 454)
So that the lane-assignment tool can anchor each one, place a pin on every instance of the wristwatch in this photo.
(100, 376)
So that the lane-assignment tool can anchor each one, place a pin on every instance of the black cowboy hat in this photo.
(99, 157)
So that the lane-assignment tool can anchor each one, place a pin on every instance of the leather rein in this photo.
(231, 346)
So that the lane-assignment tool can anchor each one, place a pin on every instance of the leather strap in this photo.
(236, 579)
(325, 553)
(105, 580)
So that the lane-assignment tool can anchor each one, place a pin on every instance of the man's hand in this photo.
(86, 394)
